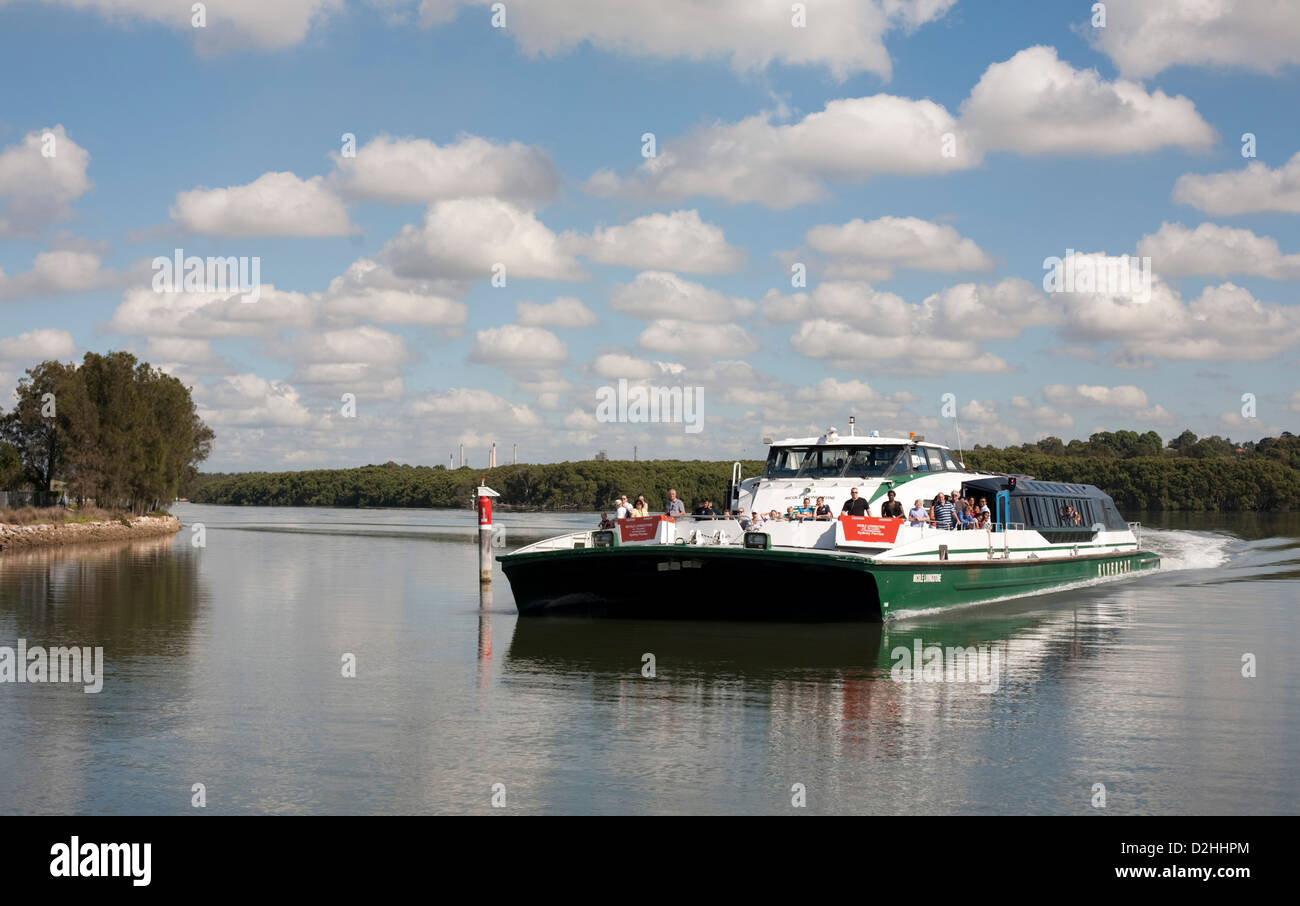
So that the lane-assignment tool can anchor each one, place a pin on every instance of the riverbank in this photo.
(13, 536)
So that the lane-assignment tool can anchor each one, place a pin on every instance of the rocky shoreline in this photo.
(13, 537)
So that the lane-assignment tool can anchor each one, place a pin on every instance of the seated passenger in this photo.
(804, 512)
(917, 515)
(774, 516)
(606, 522)
(823, 510)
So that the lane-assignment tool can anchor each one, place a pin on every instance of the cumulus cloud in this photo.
(1033, 103)
(234, 25)
(1223, 322)
(1146, 38)
(658, 294)
(1252, 190)
(565, 311)
(204, 315)
(1178, 251)
(274, 204)
(407, 170)
(679, 241)
(1124, 397)
(614, 365)
(369, 290)
(684, 338)
(872, 250)
(39, 178)
(27, 349)
(1036, 103)
(844, 36)
(60, 271)
(247, 399)
(517, 345)
(467, 238)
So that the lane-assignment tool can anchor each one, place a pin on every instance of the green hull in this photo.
(680, 581)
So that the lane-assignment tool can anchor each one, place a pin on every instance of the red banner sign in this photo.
(870, 529)
(643, 528)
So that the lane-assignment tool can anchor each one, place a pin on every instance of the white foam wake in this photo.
(1180, 549)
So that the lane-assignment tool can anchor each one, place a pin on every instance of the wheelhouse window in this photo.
(823, 461)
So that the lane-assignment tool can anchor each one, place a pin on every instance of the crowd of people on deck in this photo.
(946, 511)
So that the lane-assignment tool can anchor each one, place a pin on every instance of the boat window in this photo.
(950, 462)
(935, 457)
(831, 461)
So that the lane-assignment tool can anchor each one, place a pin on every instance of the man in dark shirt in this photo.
(855, 505)
(891, 508)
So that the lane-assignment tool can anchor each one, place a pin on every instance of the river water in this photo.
(224, 666)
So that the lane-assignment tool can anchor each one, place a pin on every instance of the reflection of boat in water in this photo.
(1039, 536)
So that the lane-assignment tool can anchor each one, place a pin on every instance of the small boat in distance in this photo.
(1040, 536)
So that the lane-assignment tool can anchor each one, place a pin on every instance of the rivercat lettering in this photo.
(103, 860)
(55, 665)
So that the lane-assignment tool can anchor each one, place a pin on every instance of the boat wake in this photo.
(1188, 550)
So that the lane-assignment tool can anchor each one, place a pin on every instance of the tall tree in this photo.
(38, 426)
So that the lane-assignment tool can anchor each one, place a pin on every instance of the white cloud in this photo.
(845, 36)
(60, 271)
(369, 290)
(614, 365)
(35, 190)
(246, 399)
(456, 404)
(36, 346)
(658, 294)
(210, 315)
(233, 25)
(831, 390)
(1146, 38)
(1123, 397)
(679, 241)
(466, 238)
(872, 250)
(513, 344)
(1252, 190)
(1036, 103)
(1217, 250)
(406, 170)
(274, 204)
(565, 311)
(821, 338)
(683, 338)
(1033, 103)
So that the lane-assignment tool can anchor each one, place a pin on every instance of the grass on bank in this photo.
(58, 515)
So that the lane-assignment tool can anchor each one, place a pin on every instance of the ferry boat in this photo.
(1041, 535)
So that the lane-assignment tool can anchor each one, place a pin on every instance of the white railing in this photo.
(559, 543)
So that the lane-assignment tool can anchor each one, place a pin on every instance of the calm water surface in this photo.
(224, 668)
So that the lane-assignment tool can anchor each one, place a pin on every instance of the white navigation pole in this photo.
(485, 495)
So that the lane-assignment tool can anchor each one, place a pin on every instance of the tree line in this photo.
(1139, 472)
(115, 430)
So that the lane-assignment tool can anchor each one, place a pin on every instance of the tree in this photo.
(38, 426)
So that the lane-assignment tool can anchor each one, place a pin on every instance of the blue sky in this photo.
(775, 144)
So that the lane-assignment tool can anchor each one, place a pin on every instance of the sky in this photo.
(467, 223)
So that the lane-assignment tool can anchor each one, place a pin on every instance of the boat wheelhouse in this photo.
(1041, 536)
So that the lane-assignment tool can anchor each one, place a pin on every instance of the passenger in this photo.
(774, 516)
(622, 509)
(983, 519)
(942, 514)
(804, 512)
(789, 514)
(726, 514)
(891, 508)
(965, 520)
(705, 509)
(640, 509)
(756, 523)
(855, 505)
(823, 510)
(917, 515)
(984, 507)
(606, 522)
(742, 518)
(675, 507)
